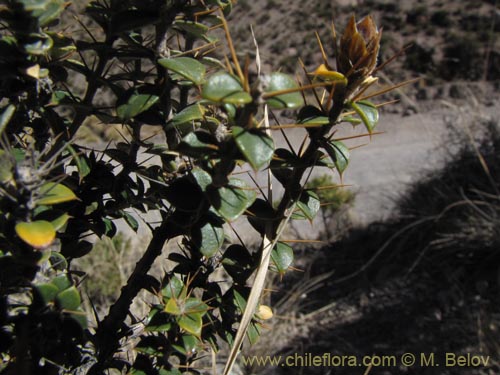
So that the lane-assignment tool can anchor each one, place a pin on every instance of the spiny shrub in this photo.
(153, 61)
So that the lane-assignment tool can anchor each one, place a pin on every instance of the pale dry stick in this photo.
(260, 277)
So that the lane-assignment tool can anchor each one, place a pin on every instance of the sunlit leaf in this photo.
(308, 204)
(282, 256)
(208, 235)
(368, 113)
(189, 68)
(191, 323)
(52, 193)
(136, 104)
(222, 87)
(280, 82)
(255, 145)
(38, 234)
(232, 200)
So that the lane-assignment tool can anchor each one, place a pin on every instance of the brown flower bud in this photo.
(358, 50)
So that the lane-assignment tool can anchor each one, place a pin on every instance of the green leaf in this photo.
(172, 307)
(52, 193)
(6, 115)
(45, 11)
(222, 87)
(174, 288)
(196, 29)
(6, 167)
(69, 299)
(38, 44)
(253, 333)
(62, 282)
(136, 104)
(198, 144)
(189, 68)
(308, 204)
(60, 222)
(232, 200)
(131, 221)
(191, 323)
(188, 115)
(38, 234)
(208, 235)
(194, 306)
(47, 292)
(158, 321)
(282, 256)
(81, 163)
(368, 113)
(202, 178)
(339, 153)
(256, 146)
(279, 82)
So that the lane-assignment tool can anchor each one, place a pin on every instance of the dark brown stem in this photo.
(110, 330)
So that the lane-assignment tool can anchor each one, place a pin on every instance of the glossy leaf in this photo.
(136, 104)
(222, 87)
(279, 82)
(158, 321)
(208, 235)
(189, 68)
(60, 221)
(255, 145)
(308, 204)
(232, 200)
(38, 234)
(191, 323)
(282, 256)
(187, 115)
(368, 113)
(202, 178)
(339, 153)
(52, 193)
(174, 288)
(198, 144)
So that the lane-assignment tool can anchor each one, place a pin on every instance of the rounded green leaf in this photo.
(255, 145)
(38, 234)
(189, 68)
(308, 204)
(368, 113)
(52, 193)
(198, 144)
(69, 299)
(222, 87)
(280, 82)
(208, 235)
(339, 153)
(282, 256)
(136, 104)
(187, 115)
(232, 200)
(47, 292)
